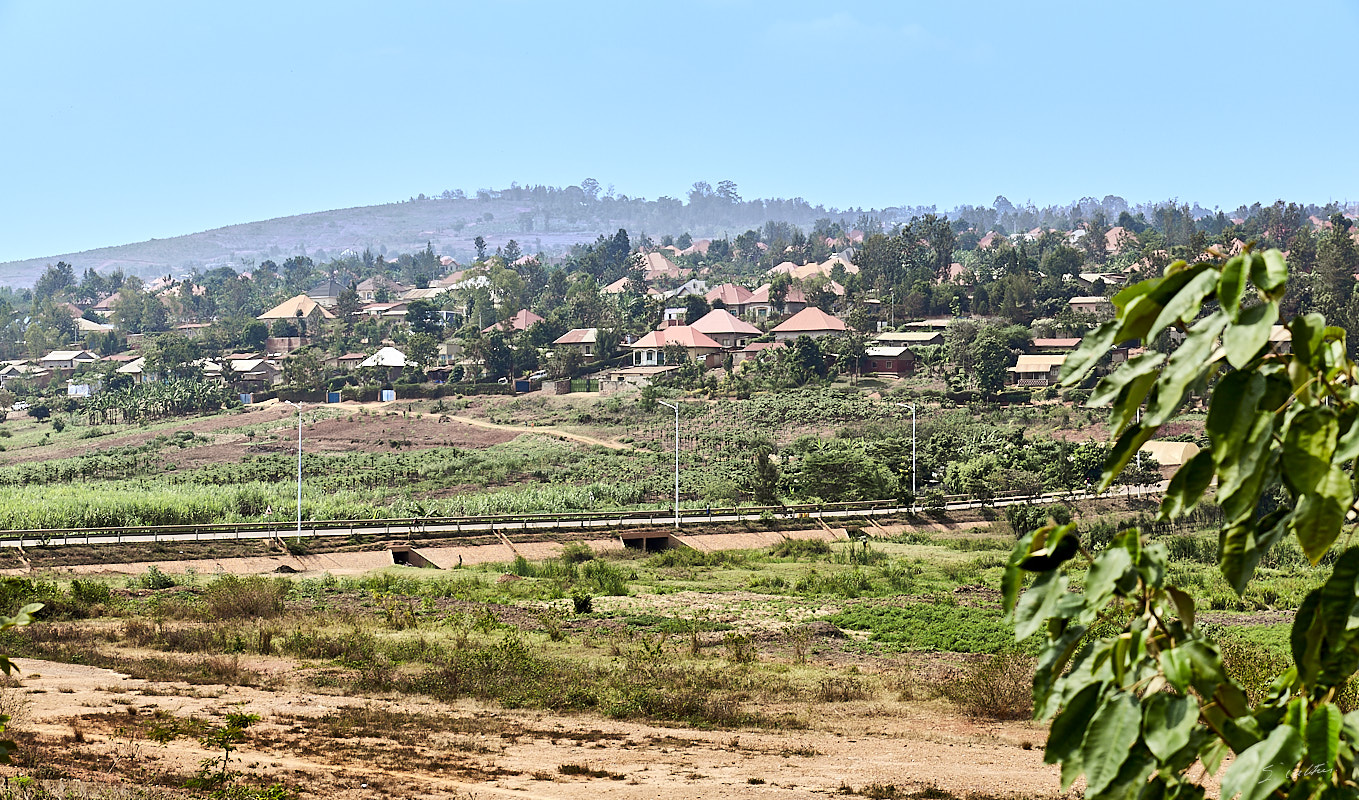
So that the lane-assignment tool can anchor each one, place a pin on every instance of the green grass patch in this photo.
(929, 626)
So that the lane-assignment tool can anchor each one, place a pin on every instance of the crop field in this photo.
(810, 668)
(531, 454)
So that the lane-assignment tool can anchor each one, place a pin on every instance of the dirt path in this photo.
(89, 722)
(560, 434)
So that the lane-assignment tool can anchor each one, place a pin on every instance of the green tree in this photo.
(303, 370)
(480, 244)
(989, 356)
(765, 485)
(422, 349)
(1133, 709)
(424, 318)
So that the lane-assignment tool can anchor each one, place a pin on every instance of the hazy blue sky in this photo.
(125, 121)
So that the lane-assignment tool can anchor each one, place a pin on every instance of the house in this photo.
(19, 371)
(631, 378)
(732, 297)
(725, 329)
(908, 338)
(691, 286)
(811, 322)
(754, 350)
(582, 340)
(385, 357)
(1052, 346)
(657, 267)
(888, 359)
(193, 330)
(649, 351)
(136, 368)
(257, 372)
(617, 287)
(85, 326)
(299, 307)
(67, 359)
(389, 310)
(349, 361)
(1037, 370)
(762, 306)
(373, 287)
(1280, 340)
(327, 293)
(1099, 306)
(522, 320)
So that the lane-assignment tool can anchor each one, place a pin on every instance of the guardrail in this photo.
(471, 525)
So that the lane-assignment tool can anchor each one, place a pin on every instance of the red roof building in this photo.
(810, 321)
(521, 321)
(649, 351)
(725, 329)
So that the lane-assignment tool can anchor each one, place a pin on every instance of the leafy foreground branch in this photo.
(1136, 711)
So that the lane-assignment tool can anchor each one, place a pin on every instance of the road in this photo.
(473, 526)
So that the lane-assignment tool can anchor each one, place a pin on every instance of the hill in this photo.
(541, 219)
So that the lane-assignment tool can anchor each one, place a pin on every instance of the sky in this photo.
(132, 120)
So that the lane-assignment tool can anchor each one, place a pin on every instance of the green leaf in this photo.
(1309, 445)
(1093, 347)
(1013, 579)
(1109, 567)
(1231, 287)
(1111, 734)
(1131, 778)
(1112, 384)
(1307, 338)
(1184, 606)
(1038, 603)
(1321, 512)
(1068, 730)
(1323, 737)
(1306, 637)
(1168, 722)
(1051, 665)
(1187, 486)
(1241, 546)
(1054, 546)
(1129, 442)
(1244, 339)
(1263, 767)
(1269, 271)
(1189, 363)
(1186, 302)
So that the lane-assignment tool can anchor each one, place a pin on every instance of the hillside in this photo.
(541, 219)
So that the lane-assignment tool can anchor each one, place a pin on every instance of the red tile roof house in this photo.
(521, 321)
(811, 322)
(582, 340)
(734, 298)
(725, 329)
(762, 305)
(649, 351)
(754, 349)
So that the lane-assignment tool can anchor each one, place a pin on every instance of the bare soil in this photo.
(96, 725)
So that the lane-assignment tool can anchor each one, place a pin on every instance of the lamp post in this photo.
(912, 407)
(676, 409)
(299, 466)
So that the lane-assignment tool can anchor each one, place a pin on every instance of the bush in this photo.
(155, 579)
(583, 603)
(90, 592)
(577, 553)
(800, 548)
(234, 597)
(605, 578)
(996, 687)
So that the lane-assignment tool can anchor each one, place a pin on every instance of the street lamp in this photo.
(676, 408)
(299, 466)
(912, 406)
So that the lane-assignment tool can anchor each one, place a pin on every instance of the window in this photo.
(887, 365)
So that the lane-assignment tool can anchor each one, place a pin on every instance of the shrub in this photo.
(583, 603)
(577, 553)
(996, 687)
(234, 597)
(605, 578)
(90, 592)
(800, 548)
(155, 579)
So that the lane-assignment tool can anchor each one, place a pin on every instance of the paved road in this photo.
(659, 519)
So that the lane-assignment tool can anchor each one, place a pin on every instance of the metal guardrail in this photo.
(471, 525)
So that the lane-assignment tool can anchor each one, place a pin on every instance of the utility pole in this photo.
(676, 408)
(299, 466)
